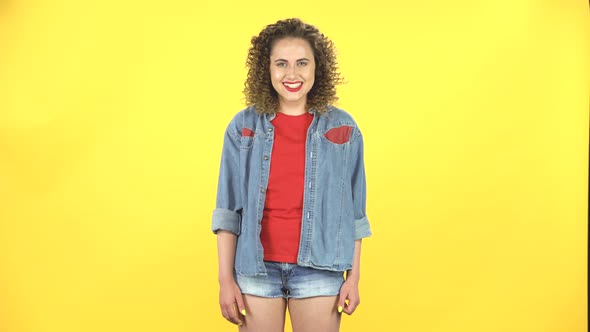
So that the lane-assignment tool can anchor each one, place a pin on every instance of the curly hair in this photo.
(258, 89)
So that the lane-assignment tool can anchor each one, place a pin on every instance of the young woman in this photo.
(290, 211)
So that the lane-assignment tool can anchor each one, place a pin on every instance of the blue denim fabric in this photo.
(334, 198)
(288, 280)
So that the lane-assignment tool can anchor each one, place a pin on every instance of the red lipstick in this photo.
(290, 89)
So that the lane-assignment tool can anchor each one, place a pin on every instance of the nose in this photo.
(291, 71)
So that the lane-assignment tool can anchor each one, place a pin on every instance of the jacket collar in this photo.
(311, 111)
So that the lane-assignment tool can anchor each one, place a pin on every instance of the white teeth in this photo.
(293, 86)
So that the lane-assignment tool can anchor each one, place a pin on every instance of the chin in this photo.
(292, 98)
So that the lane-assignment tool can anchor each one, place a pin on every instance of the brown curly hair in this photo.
(258, 89)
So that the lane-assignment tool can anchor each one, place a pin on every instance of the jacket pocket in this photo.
(247, 138)
(338, 135)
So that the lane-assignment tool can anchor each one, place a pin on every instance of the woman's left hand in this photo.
(349, 291)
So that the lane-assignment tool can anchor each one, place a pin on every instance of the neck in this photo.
(292, 108)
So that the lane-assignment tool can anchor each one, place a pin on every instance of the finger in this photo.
(341, 303)
(235, 317)
(241, 305)
(228, 313)
(224, 313)
(351, 306)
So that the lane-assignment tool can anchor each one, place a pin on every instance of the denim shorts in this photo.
(288, 280)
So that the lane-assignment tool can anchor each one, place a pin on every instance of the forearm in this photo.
(226, 251)
(354, 273)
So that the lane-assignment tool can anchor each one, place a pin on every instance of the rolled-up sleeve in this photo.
(224, 219)
(227, 214)
(359, 190)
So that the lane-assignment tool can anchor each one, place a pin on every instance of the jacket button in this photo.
(263, 190)
(269, 129)
(265, 157)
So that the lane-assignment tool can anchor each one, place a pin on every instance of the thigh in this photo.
(312, 314)
(263, 314)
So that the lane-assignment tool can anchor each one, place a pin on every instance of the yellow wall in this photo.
(475, 116)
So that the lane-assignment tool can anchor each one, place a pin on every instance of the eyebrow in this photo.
(288, 61)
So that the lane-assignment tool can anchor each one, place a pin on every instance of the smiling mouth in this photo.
(293, 87)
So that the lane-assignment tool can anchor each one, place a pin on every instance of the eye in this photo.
(302, 63)
(281, 64)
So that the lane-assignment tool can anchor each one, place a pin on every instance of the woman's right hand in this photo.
(231, 301)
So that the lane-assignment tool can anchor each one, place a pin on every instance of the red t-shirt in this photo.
(281, 219)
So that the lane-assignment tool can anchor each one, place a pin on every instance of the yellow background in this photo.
(475, 118)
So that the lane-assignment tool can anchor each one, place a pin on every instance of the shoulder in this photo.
(338, 116)
(244, 114)
(244, 118)
(336, 120)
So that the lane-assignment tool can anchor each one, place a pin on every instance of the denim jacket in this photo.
(334, 213)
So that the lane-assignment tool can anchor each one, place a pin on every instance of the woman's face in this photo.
(292, 70)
